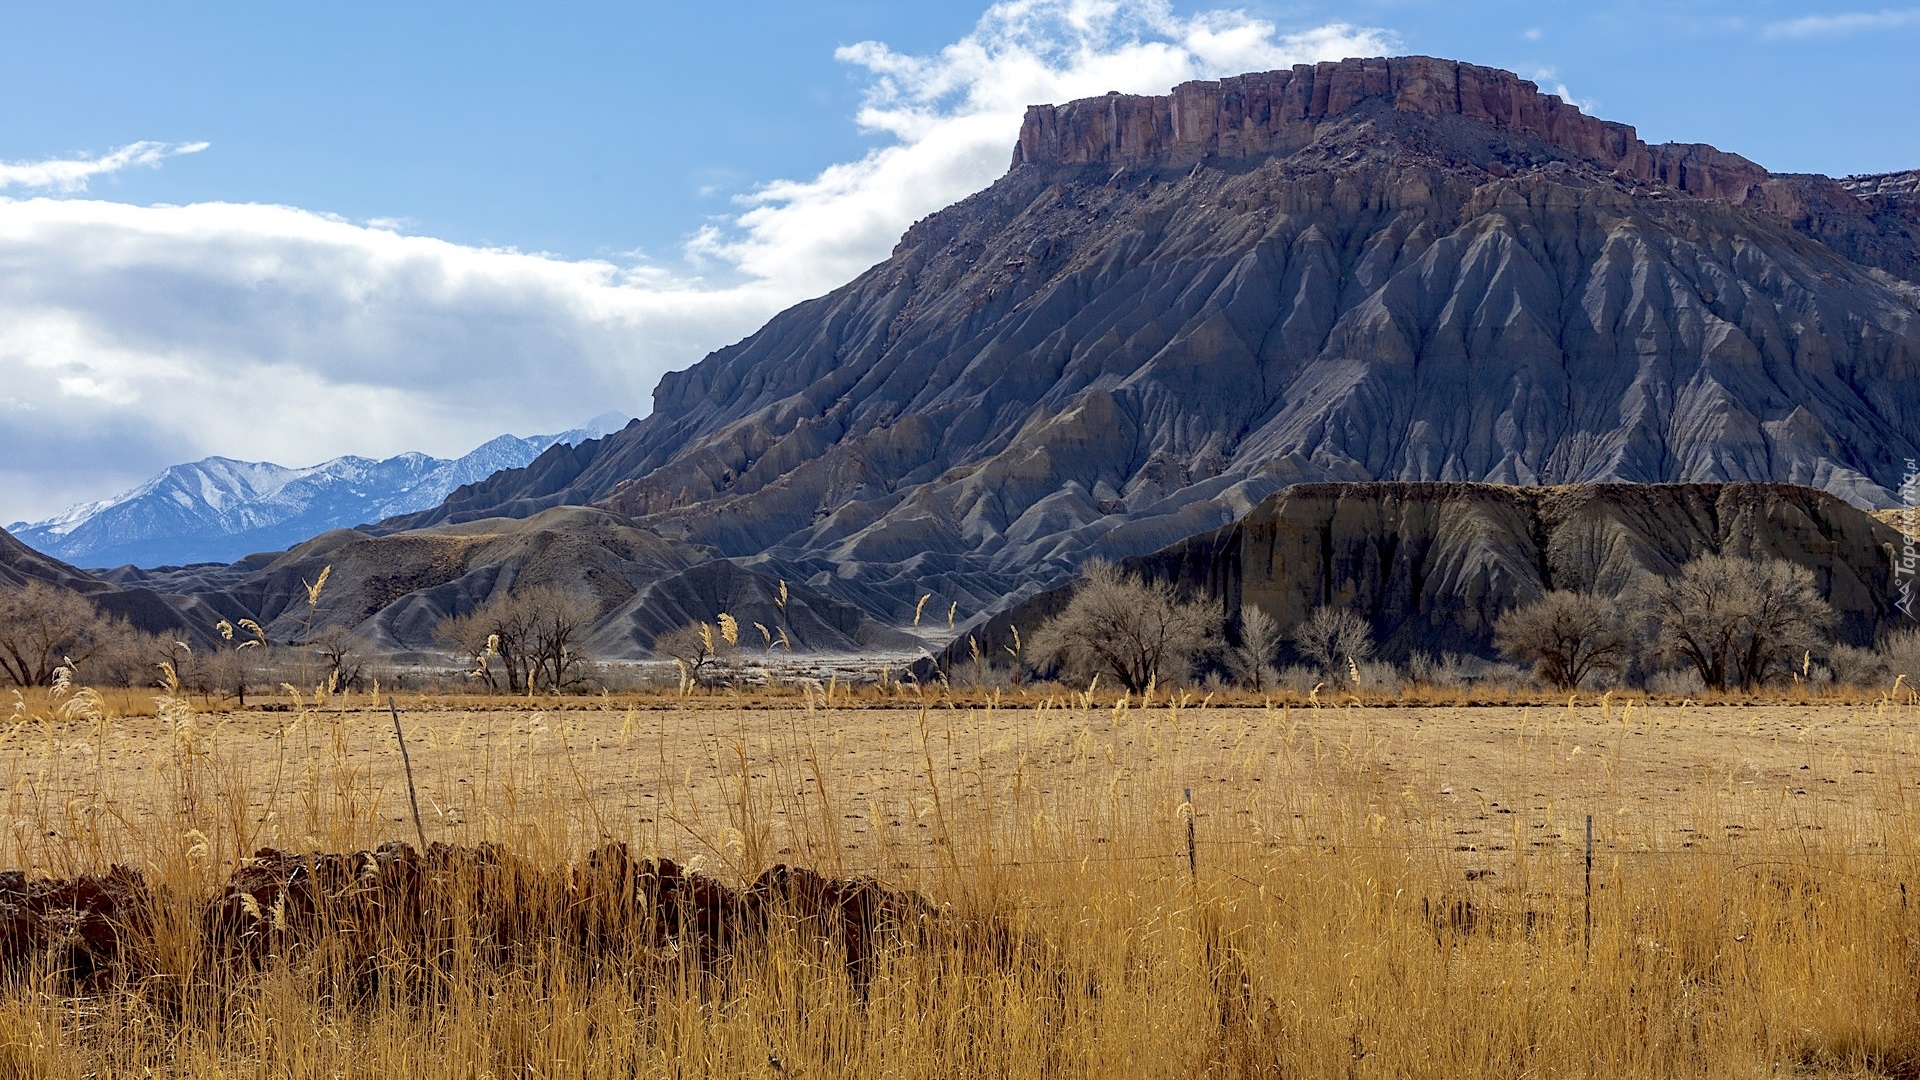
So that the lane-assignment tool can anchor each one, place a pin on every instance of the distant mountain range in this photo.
(218, 509)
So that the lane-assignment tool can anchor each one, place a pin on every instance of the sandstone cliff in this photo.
(1279, 113)
(1433, 565)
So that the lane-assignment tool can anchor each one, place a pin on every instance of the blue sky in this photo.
(289, 232)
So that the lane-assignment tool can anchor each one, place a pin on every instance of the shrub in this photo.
(1737, 622)
(1333, 637)
(1566, 636)
(1116, 624)
(703, 651)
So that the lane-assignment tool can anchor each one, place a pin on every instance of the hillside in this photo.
(1171, 308)
(157, 610)
(395, 590)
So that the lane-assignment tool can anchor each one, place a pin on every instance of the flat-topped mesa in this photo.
(1276, 112)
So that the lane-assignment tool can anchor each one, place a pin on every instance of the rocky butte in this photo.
(1171, 309)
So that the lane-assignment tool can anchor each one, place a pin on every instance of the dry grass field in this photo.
(1367, 891)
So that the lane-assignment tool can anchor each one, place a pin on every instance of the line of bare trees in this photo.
(1734, 623)
(531, 637)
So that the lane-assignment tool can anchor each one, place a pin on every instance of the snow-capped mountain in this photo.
(218, 509)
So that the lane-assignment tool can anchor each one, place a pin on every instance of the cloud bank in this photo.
(134, 337)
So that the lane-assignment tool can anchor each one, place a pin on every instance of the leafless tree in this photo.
(1116, 624)
(44, 627)
(1333, 638)
(473, 637)
(128, 657)
(242, 652)
(530, 637)
(702, 651)
(1737, 622)
(1252, 659)
(1566, 636)
(557, 620)
(343, 652)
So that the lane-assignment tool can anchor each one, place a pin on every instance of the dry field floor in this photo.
(854, 788)
(1188, 890)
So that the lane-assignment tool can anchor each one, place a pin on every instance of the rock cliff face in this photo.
(1279, 113)
(1433, 565)
(1173, 307)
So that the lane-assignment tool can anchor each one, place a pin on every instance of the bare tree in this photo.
(1333, 637)
(557, 620)
(1252, 659)
(127, 657)
(44, 627)
(473, 637)
(243, 651)
(1566, 636)
(1737, 621)
(530, 637)
(344, 653)
(701, 649)
(1116, 624)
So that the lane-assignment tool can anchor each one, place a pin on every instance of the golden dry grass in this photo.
(1374, 892)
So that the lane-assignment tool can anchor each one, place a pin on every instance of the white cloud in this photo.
(1812, 26)
(72, 174)
(955, 115)
(134, 337)
(1551, 79)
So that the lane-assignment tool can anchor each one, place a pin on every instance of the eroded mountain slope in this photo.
(1170, 308)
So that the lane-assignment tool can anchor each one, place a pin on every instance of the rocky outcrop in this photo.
(1433, 565)
(1275, 112)
(1279, 113)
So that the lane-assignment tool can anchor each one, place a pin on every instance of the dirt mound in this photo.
(76, 926)
(395, 916)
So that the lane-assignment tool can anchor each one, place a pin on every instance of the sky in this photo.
(289, 232)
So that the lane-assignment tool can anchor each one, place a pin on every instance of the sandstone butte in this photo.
(1172, 309)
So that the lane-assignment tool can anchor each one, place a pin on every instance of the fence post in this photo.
(1589, 930)
(407, 763)
(1193, 861)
